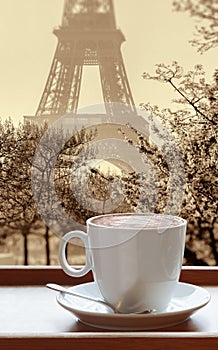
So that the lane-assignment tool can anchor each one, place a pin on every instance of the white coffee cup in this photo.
(136, 259)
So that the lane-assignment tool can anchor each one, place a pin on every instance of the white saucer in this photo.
(187, 299)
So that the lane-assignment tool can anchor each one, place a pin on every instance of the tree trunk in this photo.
(25, 238)
(192, 259)
(47, 246)
(213, 241)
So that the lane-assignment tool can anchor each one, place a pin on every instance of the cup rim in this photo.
(181, 221)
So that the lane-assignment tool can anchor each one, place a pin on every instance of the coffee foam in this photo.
(137, 221)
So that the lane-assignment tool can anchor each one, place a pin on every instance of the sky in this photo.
(154, 34)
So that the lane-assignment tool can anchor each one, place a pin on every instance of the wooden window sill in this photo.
(30, 318)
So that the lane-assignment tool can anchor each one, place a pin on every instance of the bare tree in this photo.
(195, 127)
(17, 207)
(194, 123)
(19, 211)
(205, 12)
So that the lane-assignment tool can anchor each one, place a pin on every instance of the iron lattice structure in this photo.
(87, 36)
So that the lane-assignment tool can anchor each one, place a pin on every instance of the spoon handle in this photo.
(61, 289)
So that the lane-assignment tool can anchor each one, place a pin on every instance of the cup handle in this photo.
(62, 254)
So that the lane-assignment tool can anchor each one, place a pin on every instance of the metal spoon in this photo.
(62, 289)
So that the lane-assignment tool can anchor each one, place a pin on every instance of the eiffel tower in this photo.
(87, 36)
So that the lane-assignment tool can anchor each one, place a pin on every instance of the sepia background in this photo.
(154, 34)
